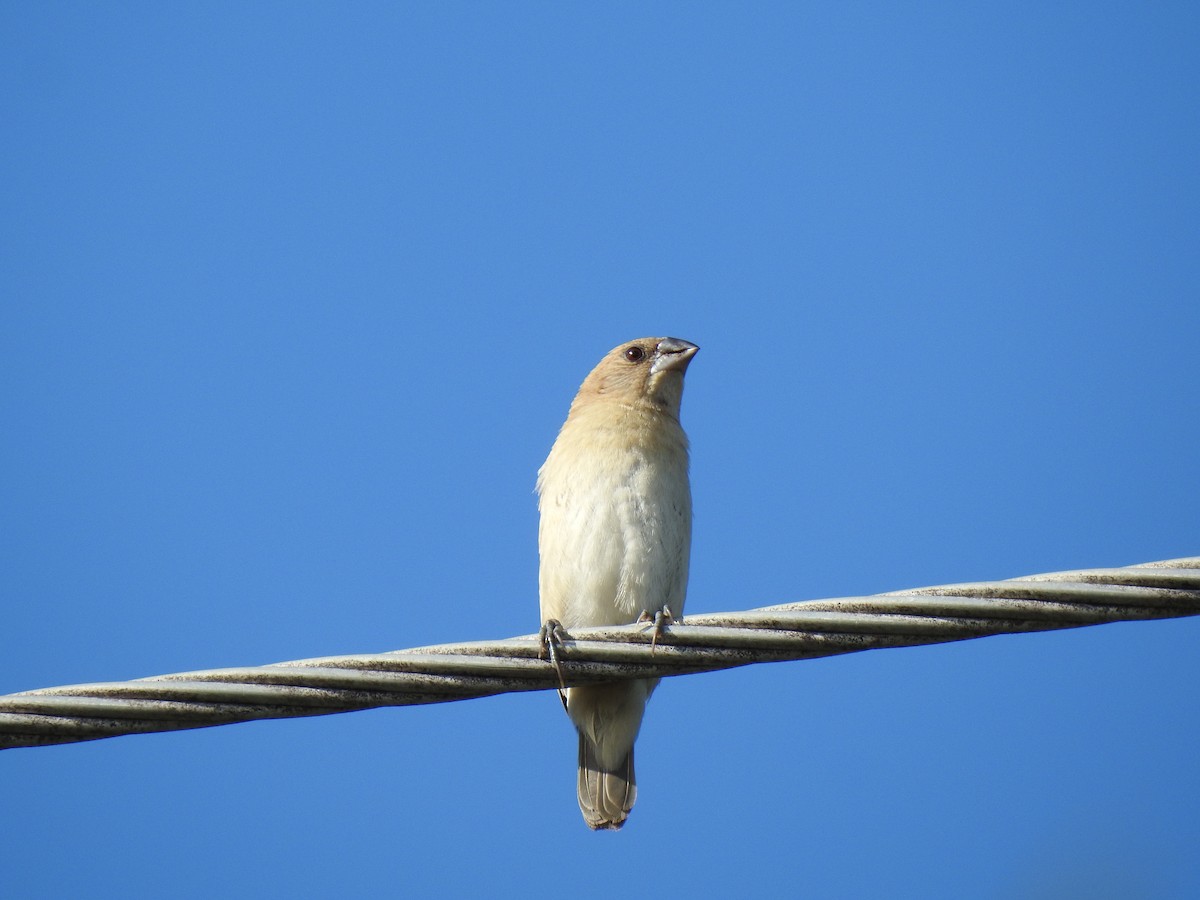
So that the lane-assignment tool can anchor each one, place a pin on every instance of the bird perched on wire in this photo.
(614, 541)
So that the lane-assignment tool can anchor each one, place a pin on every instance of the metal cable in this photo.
(309, 687)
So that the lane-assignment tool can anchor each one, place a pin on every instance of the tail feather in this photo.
(605, 795)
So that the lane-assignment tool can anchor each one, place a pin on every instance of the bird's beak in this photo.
(672, 353)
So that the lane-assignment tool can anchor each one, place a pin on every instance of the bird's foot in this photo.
(552, 635)
(659, 621)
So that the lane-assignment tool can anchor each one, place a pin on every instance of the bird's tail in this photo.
(605, 795)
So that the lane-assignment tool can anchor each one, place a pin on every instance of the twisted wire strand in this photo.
(806, 630)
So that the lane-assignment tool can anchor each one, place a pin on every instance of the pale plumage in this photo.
(614, 541)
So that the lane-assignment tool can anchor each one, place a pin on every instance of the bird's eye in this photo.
(635, 354)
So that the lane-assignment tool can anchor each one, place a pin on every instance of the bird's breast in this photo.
(615, 531)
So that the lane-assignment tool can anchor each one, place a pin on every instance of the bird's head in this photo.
(646, 371)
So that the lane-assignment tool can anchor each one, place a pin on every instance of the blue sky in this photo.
(296, 297)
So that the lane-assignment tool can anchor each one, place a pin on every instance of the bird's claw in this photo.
(552, 635)
(659, 622)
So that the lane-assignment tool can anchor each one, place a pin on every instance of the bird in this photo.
(614, 543)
